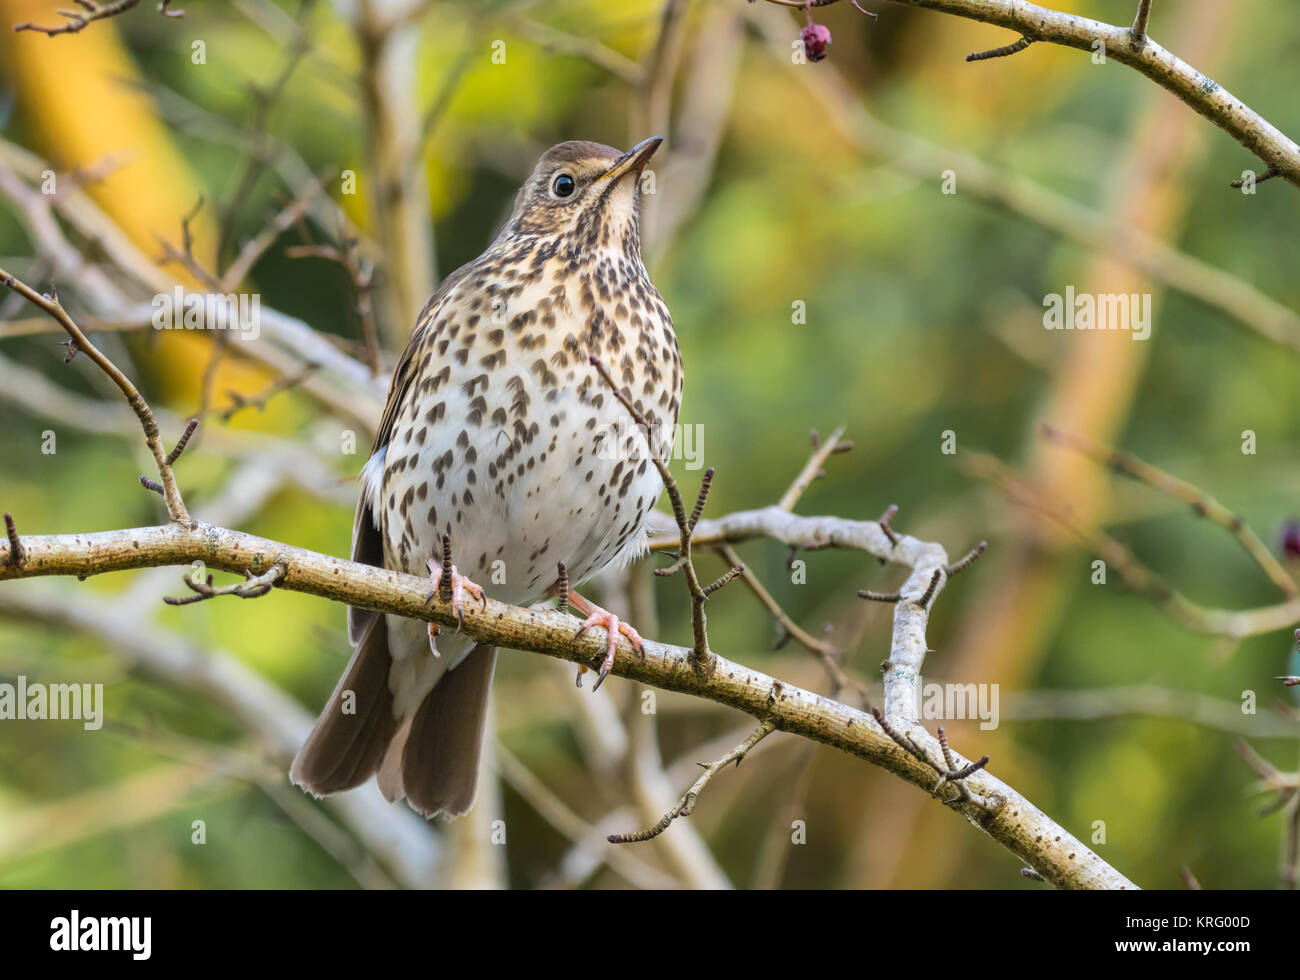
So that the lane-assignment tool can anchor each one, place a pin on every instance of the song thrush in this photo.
(499, 433)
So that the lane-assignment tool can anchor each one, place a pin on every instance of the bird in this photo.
(501, 443)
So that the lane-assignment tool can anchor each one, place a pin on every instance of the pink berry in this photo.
(815, 37)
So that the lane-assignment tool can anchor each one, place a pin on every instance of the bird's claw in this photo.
(460, 587)
(613, 626)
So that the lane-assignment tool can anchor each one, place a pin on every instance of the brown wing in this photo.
(367, 539)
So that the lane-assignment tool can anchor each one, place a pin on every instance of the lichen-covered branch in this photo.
(1016, 823)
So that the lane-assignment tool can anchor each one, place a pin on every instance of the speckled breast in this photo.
(514, 445)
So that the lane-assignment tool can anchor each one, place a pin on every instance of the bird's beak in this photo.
(633, 161)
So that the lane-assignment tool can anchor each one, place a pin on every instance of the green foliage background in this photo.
(922, 316)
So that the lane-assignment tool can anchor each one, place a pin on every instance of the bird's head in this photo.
(586, 193)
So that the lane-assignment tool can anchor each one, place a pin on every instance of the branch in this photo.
(80, 344)
(984, 800)
(1041, 24)
(1139, 29)
(1202, 503)
(77, 22)
(1017, 824)
(698, 593)
(1233, 623)
(685, 805)
(253, 587)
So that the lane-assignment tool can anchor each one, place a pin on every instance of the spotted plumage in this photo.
(499, 433)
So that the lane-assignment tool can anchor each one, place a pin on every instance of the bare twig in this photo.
(264, 101)
(1139, 29)
(559, 815)
(240, 402)
(1235, 623)
(562, 591)
(701, 659)
(968, 560)
(1202, 503)
(179, 448)
(888, 516)
(52, 306)
(949, 772)
(15, 555)
(685, 805)
(254, 587)
(1286, 786)
(1268, 174)
(1003, 52)
(79, 21)
(788, 625)
(362, 274)
(812, 470)
(1204, 95)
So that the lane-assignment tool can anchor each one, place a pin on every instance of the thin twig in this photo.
(1003, 52)
(1235, 623)
(16, 556)
(1202, 503)
(1268, 174)
(254, 587)
(813, 468)
(259, 401)
(1139, 30)
(562, 587)
(179, 448)
(52, 306)
(685, 523)
(685, 804)
(948, 773)
(969, 559)
(77, 22)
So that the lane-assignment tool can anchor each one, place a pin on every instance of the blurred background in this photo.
(864, 241)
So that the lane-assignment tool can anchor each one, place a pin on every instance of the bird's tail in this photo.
(352, 734)
(424, 743)
(432, 760)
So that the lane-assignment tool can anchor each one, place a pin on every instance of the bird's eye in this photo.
(563, 185)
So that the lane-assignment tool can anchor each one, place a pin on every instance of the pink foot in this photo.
(613, 626)
(460, 587)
